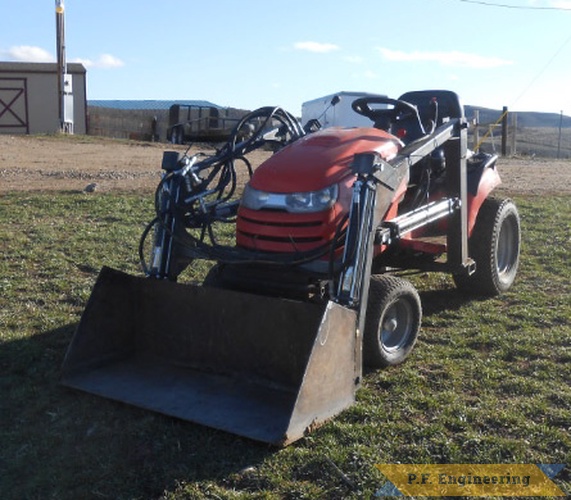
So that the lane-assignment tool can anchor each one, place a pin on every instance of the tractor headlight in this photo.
(311, 201)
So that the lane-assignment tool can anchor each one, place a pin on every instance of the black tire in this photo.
(177, 134)
(392, 321)
(495, 246)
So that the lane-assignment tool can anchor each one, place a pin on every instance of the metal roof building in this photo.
(145, 104)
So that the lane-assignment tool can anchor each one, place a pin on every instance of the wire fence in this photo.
(546, 142)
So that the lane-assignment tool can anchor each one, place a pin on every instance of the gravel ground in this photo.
(59, 163)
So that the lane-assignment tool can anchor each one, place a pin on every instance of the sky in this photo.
(252, 53)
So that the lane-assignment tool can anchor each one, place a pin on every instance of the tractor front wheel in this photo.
(392, 321)
(494, 245)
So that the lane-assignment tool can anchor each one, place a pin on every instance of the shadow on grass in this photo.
(435, 302)
(62, 443)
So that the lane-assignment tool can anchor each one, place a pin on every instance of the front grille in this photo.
(277, 223)
(272, 231)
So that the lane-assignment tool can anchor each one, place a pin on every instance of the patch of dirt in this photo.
(72, 163)
(539, 176)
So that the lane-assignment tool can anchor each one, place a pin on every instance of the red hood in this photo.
(320, 159)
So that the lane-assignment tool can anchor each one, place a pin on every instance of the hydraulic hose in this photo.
(200, 211)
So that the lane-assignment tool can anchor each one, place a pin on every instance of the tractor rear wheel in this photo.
(392, 321)
(495, 246)
(177, 135)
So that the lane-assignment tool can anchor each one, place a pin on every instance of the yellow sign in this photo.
(468, 480)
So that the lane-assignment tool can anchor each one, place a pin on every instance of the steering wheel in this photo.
(384, 117)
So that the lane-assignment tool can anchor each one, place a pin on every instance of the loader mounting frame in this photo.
(376, 181)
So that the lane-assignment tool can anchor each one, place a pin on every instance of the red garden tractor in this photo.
(305, 286)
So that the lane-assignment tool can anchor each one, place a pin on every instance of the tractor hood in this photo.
(321, 159)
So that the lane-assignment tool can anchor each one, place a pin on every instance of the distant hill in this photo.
(531, 119)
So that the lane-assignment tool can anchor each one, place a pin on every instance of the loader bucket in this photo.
(264, 368)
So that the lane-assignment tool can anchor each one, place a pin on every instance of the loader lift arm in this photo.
(376, 181)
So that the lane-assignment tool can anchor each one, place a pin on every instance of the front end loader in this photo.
(305, 287)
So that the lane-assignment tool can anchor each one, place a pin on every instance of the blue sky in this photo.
(251, 53)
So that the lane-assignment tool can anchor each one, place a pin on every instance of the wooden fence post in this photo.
(559, 139)
(504, 130)
(514, 133)
(476, 129)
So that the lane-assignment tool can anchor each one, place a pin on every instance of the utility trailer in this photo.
(189, 122)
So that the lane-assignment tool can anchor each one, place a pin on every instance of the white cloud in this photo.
(321, 48)
(104, 61)
(109, 61)
(561, 4)
(452, 58)
(26, 53)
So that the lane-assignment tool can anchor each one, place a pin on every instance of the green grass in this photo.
(489, 381)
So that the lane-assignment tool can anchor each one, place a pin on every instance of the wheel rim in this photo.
(507, 250)
(396, 325)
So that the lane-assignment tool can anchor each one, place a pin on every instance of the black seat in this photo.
(435, 106)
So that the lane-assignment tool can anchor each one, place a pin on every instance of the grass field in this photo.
(489, 380)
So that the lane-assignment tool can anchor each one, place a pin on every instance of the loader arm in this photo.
(373, 191)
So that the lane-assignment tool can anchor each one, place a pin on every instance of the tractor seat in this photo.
(435, 107)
